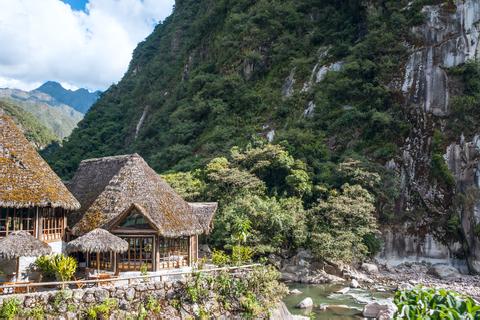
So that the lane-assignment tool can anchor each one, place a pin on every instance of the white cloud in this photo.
(47, 40)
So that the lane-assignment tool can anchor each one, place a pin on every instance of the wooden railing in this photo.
(34, 286)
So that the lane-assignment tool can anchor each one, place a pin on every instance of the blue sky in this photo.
(60, 40)
(77, 4)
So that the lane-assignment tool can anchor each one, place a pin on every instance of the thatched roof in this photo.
(204, 212)
(22, 244)
(108, 187)
(98, 240)
(26, 180)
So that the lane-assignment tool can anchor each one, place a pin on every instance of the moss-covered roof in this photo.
(26, 180)
(107, 187)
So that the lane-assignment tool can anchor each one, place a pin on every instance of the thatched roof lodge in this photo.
(31, 194)
(123, 195)
(26, 180)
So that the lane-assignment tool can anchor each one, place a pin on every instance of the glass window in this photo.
(135, 220)
(140, 252)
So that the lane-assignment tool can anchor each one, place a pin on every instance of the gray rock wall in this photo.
(449, 37)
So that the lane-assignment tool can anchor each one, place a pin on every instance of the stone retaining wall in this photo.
(142, 300)
(130, 300)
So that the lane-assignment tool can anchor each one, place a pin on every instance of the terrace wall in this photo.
(131, 300)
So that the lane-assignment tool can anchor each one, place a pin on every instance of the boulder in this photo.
(370, 268)
(281, 313)
(379, 311)
(443, 271)
(305, 303)
(295, 291)
(354, 284)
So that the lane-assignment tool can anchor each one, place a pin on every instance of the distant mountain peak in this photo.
(80, 99)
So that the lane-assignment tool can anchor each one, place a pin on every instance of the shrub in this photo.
(59, 266)
(36, 313)
(10, 309)
(220, 258)
(65, 267)
(45, 266)
(144, 269)
(152, 305)
(433, 304)
(241, 254)
(103, 310)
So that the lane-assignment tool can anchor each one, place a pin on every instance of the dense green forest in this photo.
(218, 78)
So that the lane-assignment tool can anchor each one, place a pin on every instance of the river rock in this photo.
(379, 311)
(354, 284)
(305, 303)
(295, 291)
(344, 290)
(443, 271)
(281, 313)
(370, 268)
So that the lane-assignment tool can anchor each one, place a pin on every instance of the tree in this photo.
(341, 222)
(266, 223)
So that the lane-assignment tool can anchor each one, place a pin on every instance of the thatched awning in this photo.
(204, 212)
(98, 240)
(22, 244)
(26, 180)
(107, 187)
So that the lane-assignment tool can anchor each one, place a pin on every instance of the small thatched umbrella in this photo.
(98, 241)
(22, 244)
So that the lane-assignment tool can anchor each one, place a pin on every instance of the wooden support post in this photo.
(98, 262)
(18, 269)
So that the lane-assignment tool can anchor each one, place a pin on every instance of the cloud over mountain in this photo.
(47, 40)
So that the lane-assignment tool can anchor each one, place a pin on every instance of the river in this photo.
(339, 306)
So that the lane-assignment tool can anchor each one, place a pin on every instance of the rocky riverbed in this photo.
(342, 292)
(439, 276)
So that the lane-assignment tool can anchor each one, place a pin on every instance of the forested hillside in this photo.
(333, 84)
(218, 73)
(35, 132)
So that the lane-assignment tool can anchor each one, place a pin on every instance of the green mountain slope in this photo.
(35, 132)
(217, 73)
(59, 118)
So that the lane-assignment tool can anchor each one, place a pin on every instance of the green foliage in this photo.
(464, 116)
(241, 254)
(103, 310)
(197, 287)
(34, 130)
(61, 267)
(476, 230)
(207, 105)
(439, 166)
(144, 269)
(65, 267)
(374, 244)
(37, 313)
(152, 305)
(341, 223)
(220, 258)
(433, 304)
(187, 184)
(257, 290)
(45, 266)
(10, 309)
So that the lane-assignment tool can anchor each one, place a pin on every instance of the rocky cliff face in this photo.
(449, 37)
